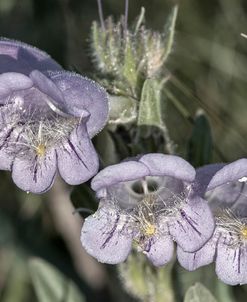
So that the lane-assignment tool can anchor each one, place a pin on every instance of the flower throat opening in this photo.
(145, 186)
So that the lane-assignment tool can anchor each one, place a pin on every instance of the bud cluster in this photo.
(126, 57)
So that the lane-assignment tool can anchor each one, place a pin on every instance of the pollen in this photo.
(243, 232)
(40, 150)
(149, 229)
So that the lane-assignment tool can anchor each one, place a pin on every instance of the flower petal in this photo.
(169, 165)
(9, 136)
(122, 172)
(6, 160)
(239, 207)
(81, 94)
(202, 257)
(231, 263)
(34, 104)
(128, 193)
(7, 154)
(54, 96)
(204, 175)
(231, 172)
(193, 225)
(103, 236)
(20, 57)
(116, 177)
(13, 81)
(229, 195)
(77, 158)
(159, 250)
(35, 174)
(169, 190)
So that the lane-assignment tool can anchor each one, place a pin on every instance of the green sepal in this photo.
(169, 32)
(122, 110)
(129, 69)
(98, 44)
(150, 106)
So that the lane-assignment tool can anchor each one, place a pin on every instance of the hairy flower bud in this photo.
(126, 58)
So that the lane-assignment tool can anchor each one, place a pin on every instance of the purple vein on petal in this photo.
(190, 222)
(111, 232)
(76, 153)
(7, 137)
(239, 259)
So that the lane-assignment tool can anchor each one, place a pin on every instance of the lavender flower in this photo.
(146, 201)
(19, 57)
(47, 117)
(225, 189)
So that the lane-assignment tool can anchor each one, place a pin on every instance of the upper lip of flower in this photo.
(212, 176)
(146, 165)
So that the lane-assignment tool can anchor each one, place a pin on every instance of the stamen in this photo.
(41, 149)
(149, 229)
(140, 20)
(101, 16)
(40, 135)
(144, 186)
(144, 217)
(244, 232)
(172, 205)
(126, 16)
(233, 228)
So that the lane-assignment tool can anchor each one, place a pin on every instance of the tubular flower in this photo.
(225, 188)
(47, 117)
(146, 202)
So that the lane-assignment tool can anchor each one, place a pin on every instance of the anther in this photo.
(40, 150)
(243, 232)
(149, 229)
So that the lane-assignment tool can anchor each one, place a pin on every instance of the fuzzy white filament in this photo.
(101, 16)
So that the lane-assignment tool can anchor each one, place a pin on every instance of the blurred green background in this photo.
(208, 69)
